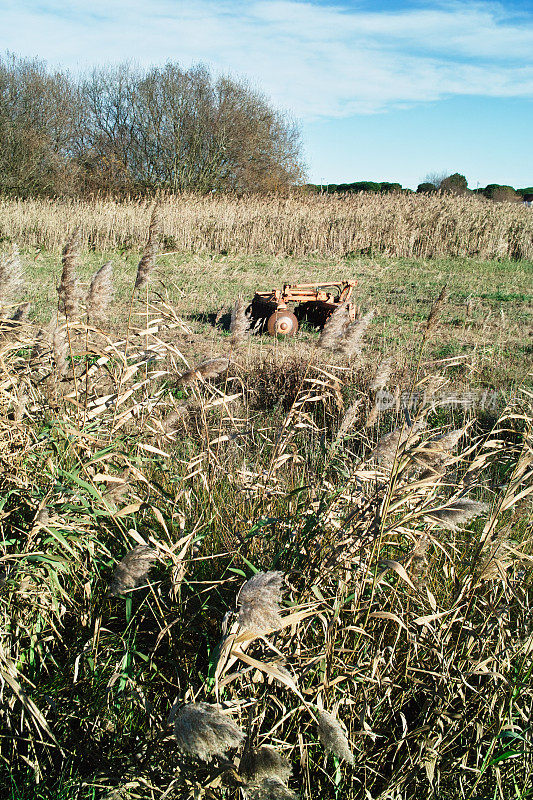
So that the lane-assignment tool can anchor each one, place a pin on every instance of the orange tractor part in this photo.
(314, 302)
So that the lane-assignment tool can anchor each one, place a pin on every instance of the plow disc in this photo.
(314, 302)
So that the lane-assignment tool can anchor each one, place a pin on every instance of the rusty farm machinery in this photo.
(312, 302)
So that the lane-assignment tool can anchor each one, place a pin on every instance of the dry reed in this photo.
(68, 284)
(258, 603)
(332, 737)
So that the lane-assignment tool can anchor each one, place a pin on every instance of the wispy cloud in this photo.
(317, 60)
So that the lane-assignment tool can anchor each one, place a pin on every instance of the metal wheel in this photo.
(282, 323)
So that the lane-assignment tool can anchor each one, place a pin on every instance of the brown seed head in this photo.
(133, 570)
(211, 368)
(240, 324)
(258, 603)
(333, 329)
(435, 312)
(202, 731)
(147, 262)
(332, 737)
(100, 293)
(68, 285)
(11, 278)
(459, 512)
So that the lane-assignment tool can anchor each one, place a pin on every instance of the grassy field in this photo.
(331, 592)
(485, 331)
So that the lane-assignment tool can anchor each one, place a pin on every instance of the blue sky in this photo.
(384, 90)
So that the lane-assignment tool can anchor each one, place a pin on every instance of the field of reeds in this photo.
(409, 226)
(232, 569)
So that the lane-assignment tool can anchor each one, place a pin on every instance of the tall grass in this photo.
(333, 226)
(209, 594)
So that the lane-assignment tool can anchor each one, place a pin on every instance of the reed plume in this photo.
(459, 512)
(436, 453)
(240, 324)
(332, 737)
(352, 412)
(333, 329)
(352, 342)
(147, 262)
(258, 603)
(269, 789)
(68, 285)
(435, 312)
(100, 293)
(11, 278)
(387, 447)
(496, 557)
(172, 420)
(265, 762)
(202, 731)
(211, 368)
(60, 350)
(133, 570)
(117, 489)
(382, 375)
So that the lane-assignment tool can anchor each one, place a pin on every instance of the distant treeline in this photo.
(448, 184)
(123, 130)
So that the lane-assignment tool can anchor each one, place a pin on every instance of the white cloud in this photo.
(316, 60)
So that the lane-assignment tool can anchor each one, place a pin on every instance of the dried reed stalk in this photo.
(203, 732)
(258, 603)
(100, 293)
(68, 285)
(133, 570)
(147, 262)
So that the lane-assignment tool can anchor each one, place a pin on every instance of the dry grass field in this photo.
(237, 567)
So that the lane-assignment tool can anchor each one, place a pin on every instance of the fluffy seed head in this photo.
(333, 329)
(269, 789)
(60, 349)
(258, 603)
(100, 293)
(68, 285)
(147, 262)
(133, 570)
(11, 278)
(211, 368)
(202, 731)
(382, 375)
(458, 513)
(265, 762)
(352, 412)
(435, 312)
(386, 448)
(240, 324)
(332, 737)
(352, 343)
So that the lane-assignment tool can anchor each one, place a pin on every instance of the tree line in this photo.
(127, 130)
(455, 184)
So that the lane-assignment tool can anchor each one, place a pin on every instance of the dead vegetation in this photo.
(206, 596)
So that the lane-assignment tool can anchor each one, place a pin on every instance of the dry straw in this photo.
(203, 732)
(258, 603)
(133, 570)
(332, 737)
